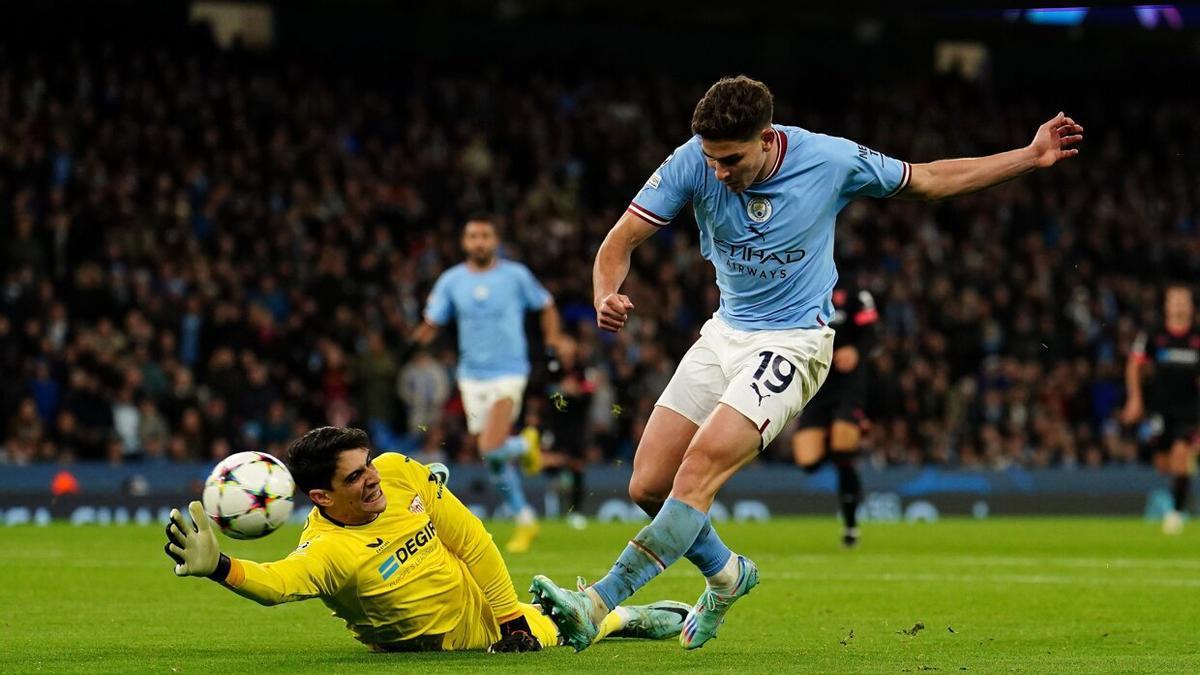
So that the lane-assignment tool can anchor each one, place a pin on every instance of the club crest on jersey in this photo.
(417, 506)
(759, 209)
(480, 293)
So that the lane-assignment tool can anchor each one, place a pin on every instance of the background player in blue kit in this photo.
(489, 296)
(765, 198)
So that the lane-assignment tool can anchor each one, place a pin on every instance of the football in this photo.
(249, 495)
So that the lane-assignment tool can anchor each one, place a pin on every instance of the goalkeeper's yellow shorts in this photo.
(475, 634)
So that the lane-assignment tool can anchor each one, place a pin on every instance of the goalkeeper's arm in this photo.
(516, 636)
(465, 536)
(193, 546)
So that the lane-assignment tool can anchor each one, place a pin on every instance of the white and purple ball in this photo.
(249, 495)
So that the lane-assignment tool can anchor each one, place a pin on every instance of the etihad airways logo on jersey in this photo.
(757, 255)
(737, 255)
(409, 549)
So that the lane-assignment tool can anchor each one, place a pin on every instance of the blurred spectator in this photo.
(424, 386)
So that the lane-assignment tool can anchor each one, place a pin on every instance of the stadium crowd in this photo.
(209, 252)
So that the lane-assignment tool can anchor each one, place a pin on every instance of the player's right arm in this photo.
(612, 266)
(1134, 406)
(425, 333)
(193, 546)
(439, 310)
(668, 189)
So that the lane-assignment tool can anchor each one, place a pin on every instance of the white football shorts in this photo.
(767, 375)
(480, 395)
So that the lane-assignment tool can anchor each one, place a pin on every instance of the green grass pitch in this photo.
(1035, 595)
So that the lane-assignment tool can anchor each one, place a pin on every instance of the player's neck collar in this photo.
(476, 269)
(339, 523)
(781, 142)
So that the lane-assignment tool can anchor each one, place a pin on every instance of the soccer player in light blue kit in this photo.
(765, 197)
(489, 297)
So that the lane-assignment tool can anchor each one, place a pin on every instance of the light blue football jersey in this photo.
(772, 245)
(490, 308)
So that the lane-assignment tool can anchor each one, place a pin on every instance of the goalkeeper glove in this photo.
(193, 545)
(516, 636)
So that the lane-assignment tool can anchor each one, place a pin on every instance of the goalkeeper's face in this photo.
(356, 496)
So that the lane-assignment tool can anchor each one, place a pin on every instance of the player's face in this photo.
(356, 496)
(1179, 308)
(737, 164)
(480, 242)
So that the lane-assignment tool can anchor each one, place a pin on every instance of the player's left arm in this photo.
(535, 296)
(551, 325)
(954, 177)
(193, 546)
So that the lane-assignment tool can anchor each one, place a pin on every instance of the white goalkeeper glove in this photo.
(193, 545)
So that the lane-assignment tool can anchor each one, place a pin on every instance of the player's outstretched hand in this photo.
(613, 311)
(1054, 138)
(191, 543)
(516, 636)
(519, 641)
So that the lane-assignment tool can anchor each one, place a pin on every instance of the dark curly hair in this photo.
(313, 457)
(733, 109)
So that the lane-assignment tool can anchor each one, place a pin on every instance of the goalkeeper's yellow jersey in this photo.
(423, 575)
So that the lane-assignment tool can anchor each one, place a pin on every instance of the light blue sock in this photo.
(508, 483)
(512, 448)
(653, 550)
(708, 552)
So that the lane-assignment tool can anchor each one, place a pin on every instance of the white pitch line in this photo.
(1040, 579)
(867, 558)
(1011, 561)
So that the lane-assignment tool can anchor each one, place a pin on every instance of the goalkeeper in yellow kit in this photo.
(395, 555)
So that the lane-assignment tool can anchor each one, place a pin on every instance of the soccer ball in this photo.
(249, 495)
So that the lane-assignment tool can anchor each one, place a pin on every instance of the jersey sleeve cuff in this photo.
(648, 215)
(235, 574)
(510, 617)
(905, 177)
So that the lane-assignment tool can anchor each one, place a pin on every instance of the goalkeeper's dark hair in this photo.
(313, 457)
(733, 109)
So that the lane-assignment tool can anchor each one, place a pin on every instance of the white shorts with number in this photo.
(480, 395)
(767, 375)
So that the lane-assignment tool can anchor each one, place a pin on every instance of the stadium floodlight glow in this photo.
(1057, 16)
(1149, 16)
